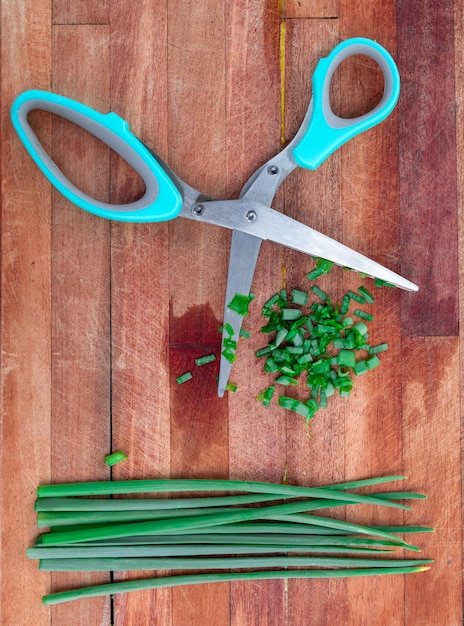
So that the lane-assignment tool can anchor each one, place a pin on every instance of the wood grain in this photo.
(253, 114)
(99, 319)
(197, 258)
(371, 225)
(80, 290)
(313, 198)
(313, 9)
(428, 168)
(25, 449)
(139, 277)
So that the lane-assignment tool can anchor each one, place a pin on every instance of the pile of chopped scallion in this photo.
(319, 339)
(263, 528)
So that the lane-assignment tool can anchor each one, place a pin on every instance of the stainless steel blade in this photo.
(244, 251)
(261, 221)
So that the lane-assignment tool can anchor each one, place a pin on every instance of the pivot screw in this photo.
(251, 216)
(273, 170)
(199, 209)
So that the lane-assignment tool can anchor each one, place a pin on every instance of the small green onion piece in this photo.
(363, 315)
(361, 328)
(345, 305)
(264, 351)
(378, 282)
(291, 314)
(115, 457)
(346, 386)
(270, 303)
(381, 347)
(231, 387)
(229, 329)
(346, 358)
(266, 396)
(286, 380)
(304, 359)
(360, 368)
(319, 293)
(372, 362)
(229, 355)
(280, 336)
(184, 378)
(295, 405)
(239, 303)
(283, 297)
(229, 343)
(368, 297)
(244, 333)
(271, 366)
(202, 360)
(355, 296)
(299, 297)
(323, 399)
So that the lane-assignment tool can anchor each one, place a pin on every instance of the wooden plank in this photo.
(80, 292)
(432, 458)
(256, 437)
(459, 93)
(313, 198)
(428, 167)
(313, 9)
(197, 267)
(25, 318)
(82, 12)
(373, 440)
(140, 297)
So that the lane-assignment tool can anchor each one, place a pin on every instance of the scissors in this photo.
(250, 217)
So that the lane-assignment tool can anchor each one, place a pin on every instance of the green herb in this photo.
(320, 341)
(115, 457)
(205, 359)
(239, 303)
(205, 533)
(184, 378)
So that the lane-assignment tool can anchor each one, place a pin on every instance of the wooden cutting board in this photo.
(98, 319)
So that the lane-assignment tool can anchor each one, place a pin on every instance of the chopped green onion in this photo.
(381, 347)
(266, 396)
(244, 333)
(286, 380)
(372, 362)
(229, 355)
(299, 297)
(205, 359)
(231, 387)
(363, 315)
(346, 357)
(184, 378)
(115, 457)
(355, 296)
(319, 293)
(291, 314)
(368, 297)
(378, 282)
(239, 303)
(360, 368)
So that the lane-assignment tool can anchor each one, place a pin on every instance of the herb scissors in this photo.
(249, 217)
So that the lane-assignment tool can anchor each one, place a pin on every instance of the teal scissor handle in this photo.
(161, 200)
(325, 131)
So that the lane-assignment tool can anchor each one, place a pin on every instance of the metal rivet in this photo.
(198, 209)
(251, 216)
(273, 170)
